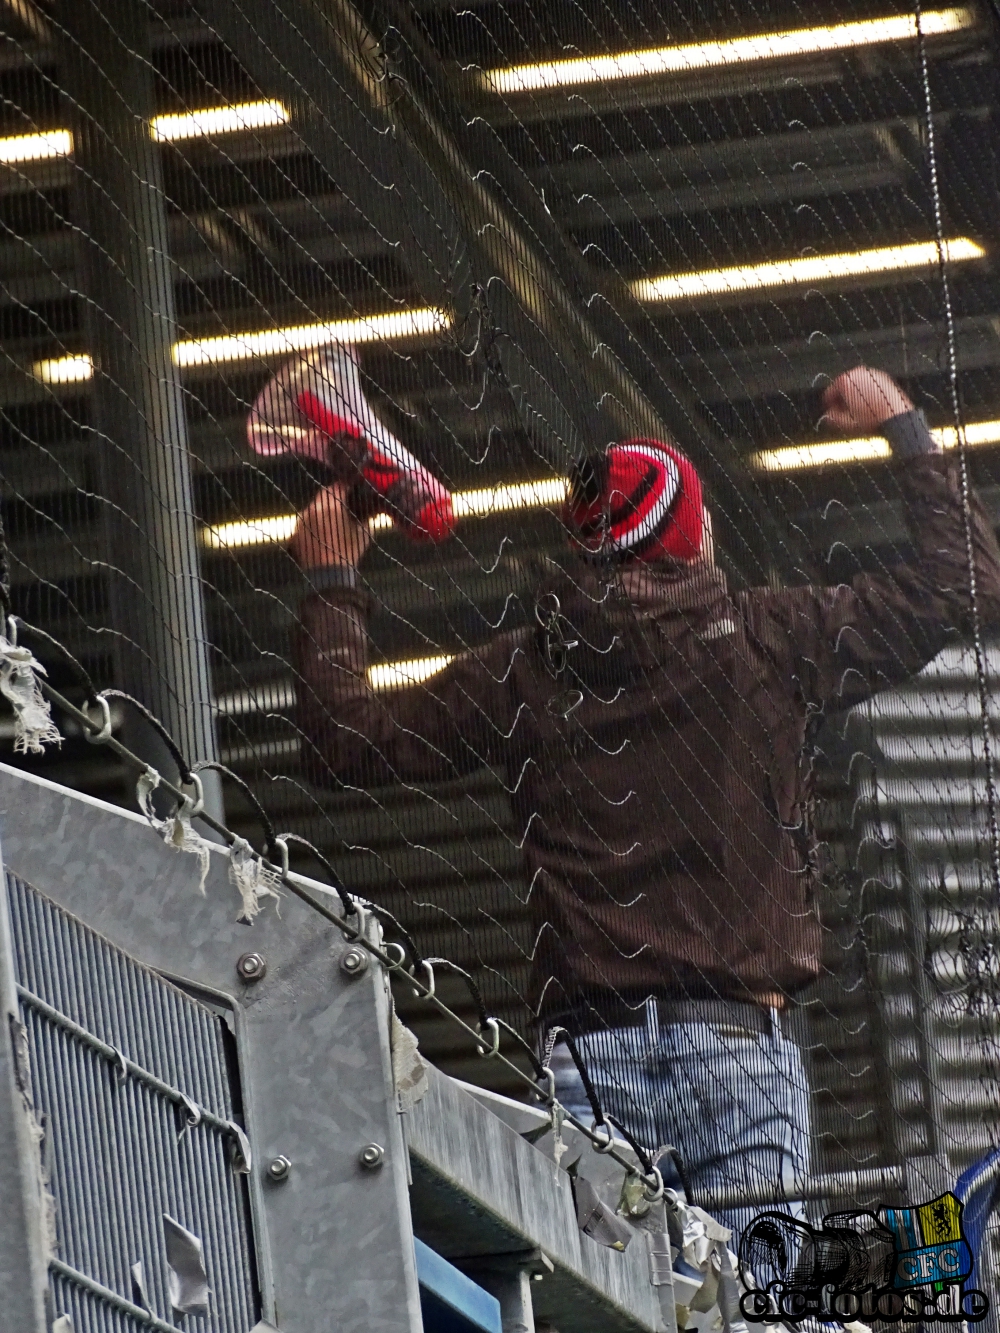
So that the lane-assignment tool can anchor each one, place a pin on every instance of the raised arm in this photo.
(846, 642)
(445, 726)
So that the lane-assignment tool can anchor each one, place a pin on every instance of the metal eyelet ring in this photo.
(561, 705)
(198, 804)
(99, 737)
(555, 656)
(654, 1193)
(430, 982)
(609, 1142)
(400, 955)
(361, 914)
(493, 1027)
(546, 615)
(282, 847)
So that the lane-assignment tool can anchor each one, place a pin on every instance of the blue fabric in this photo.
(978, 1187)
(735, 1103)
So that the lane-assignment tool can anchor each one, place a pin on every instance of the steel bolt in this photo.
(251, 966)
(278, 1169)
(371, 1156)
(354, 962)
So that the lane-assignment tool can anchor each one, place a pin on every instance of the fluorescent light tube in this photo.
(35, 147)
(63, 369)
(466, 504)
(809, 268)
(394, 675)
(798, 456)
(251, 532)
(501, 499)
(277, 697)
(269, 342)
(711, 55)
(213, 120)
(302, 337)
(201, 123)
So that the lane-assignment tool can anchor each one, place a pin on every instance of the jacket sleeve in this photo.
(844, 643)
(441, 728)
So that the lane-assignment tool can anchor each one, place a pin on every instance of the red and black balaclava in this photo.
(641, 501)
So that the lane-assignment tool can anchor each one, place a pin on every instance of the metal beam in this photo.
(479, 1189)
(908, 351)
(138, 421)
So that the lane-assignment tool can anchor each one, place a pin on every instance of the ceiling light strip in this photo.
(63, 369)
(388, 327)
(805, 269)
(712, 55)
(302, 337)
(35, 147)
(872, 448)
(397, 675)
(203, 122)
(207, 122)
(279, 696)
(481, 503)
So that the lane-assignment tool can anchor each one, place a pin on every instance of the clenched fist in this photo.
(862, 399)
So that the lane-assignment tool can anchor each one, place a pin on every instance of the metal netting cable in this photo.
(175, 751)
(210, 765)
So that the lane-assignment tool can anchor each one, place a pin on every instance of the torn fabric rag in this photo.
(33, 725)
(176, 830)
(251, 878)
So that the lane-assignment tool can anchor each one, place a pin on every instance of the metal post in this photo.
(512, 1288)
(508, 1277)
(23, 1263)
(156, 608)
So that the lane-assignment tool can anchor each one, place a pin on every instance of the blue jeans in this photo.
(734, 1102)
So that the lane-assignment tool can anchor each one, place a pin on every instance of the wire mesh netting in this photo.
(454, 421)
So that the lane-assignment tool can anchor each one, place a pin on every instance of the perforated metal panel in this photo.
(119, 1146)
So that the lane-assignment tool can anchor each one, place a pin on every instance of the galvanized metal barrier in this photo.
(220, 1134)
(140, 1147)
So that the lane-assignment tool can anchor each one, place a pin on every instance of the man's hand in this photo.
(328, 533)
(862, 399)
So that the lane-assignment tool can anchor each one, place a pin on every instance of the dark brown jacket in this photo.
(666, 818)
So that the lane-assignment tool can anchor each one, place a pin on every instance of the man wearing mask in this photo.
(655, 730)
